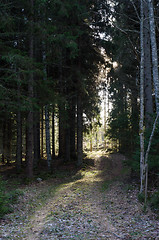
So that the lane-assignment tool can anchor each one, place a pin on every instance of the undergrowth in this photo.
(154, 201)
(7, 198)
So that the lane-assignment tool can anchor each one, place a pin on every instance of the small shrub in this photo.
(141, 197)
(154, 201)
(7, 199)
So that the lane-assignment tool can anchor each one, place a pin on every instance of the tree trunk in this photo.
(147, 69)
(53, 135)
(42, 133)
(9, 140)
(47, 129)
(4, 141)
(155, 81)
(29, 144)
(105, 106)
(19, 132)
(36, 138)
(91, 138)
(47, 119)
(154, 53)
(29, 137)
(19, 142)
(79, 131)
(134, 117)
(61, 134)
(62, 145)
(142, 165)
(67, 144)
(72, 129)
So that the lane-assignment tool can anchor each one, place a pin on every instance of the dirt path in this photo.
(97, 203)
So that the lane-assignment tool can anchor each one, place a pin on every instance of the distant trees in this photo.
(122, 47)
(147, 12)
(49, 67)
(49, 62)
(134, 46)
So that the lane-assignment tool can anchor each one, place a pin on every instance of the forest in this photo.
(79, 114)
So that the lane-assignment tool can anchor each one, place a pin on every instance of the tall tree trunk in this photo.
(155, 81)
(29, 136)
(67, 144)
(91, 137)
(36, 138)
(9, 140)
(72, 128)
(154, 53)
(61, 133)
(4, 141)
(29, 144)
(47, 119)
(42, 133)
(47, 129)
(142, 165)
(134, 117)
(147, 69)
(19, 131)
(19, 142)
(53, 134)
(79, 131)
(61, 108)
(105, 106)
(67, 137)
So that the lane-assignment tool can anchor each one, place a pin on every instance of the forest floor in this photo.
(97, 202)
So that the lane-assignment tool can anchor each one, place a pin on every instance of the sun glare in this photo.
(115, 64)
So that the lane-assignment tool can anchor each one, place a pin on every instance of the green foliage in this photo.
(141, 197)
(153, 158)
(65, 62)
(7, 198)
(154, 201)
(123, 92)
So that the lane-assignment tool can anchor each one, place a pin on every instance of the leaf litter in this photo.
(99, 205)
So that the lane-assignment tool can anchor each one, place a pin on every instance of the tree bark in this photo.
(29, 137)
(147, 69)
(9, 140)
(36, 138)
(61, 108)
(146, 156)
(19, 142)
(4, 141)
(105, 106)
(61, 133)
(53, 134)
(47, 129)
(142, 165)
(72, 129)
(47, 119)
(79, 131)
(154, 53)
(67, 144)
(29, 144)
(42, 133)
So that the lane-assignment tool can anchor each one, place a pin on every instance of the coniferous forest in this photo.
(79, 115)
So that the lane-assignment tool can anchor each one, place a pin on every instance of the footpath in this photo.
(99, 202)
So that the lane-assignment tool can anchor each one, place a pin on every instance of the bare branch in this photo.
(135, 9)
